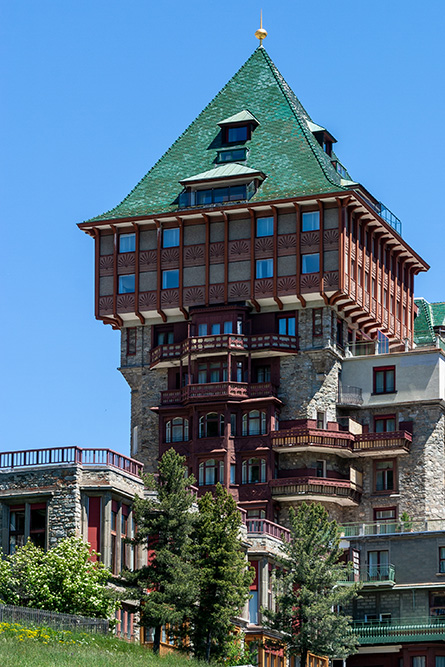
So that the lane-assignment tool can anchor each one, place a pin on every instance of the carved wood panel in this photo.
(147, 300)
(310, 282)
(105, 305)
(287, 244)
(330, 279)
(216, 293)
(330, 239)
(239, 290)
(239, 250)
(264, 247)
(264, 287)
(147, 260)
(217, 252)
(194, 296)
(126, 263)
(169, 298)
(170, 258)
(286, 285)
(310, 241)
(125, 303)
(106, 265)
(194, 255)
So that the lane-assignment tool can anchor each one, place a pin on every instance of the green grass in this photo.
(40, 647)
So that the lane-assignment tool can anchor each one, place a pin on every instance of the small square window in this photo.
(235, 134)
(310, 221)
(202, 329)
(126, 284)
(170, 279)
(384, 380)
(264, 268)
(310, 263)
(228, 327)
(127, 242)
(170, 237)
(287, 326)
(264, 227)
(216, 329)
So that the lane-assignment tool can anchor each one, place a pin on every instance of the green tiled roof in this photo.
(226, 170)
(429, 316)
(282, 145)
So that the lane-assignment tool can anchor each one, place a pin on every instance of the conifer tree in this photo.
(167, 584)
(308, 598)
(223, 575)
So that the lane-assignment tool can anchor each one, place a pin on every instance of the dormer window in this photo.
(227, 183)
(238, 128)
(234, 155)
(327, 146)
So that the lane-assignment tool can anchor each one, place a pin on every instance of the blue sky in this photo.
(94, 91)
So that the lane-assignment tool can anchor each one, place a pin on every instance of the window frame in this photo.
(384, 370)
(248, 466)
(127, 236)
(441, 554)
(305, 269)
(227, 129)
(308, 227)
(169, 230)
(248, 419)
(268, 263)
(386, 488)
(203, 422)
(214, 464)
(121, 288)
(384, 419)
(269, 223)
(170, 426)
(286, 318)
(165, 277)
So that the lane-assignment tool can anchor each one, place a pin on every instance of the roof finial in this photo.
(261, 33)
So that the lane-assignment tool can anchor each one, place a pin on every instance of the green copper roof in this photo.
(429, 317)
(226, 170)
(282, 145)
(241, 117)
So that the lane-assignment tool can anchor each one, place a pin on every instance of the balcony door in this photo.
(378, 565)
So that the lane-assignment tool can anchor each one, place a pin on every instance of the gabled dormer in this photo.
(238, 128)
(227, 183)
(323, 136)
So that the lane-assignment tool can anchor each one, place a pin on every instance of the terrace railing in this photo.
(257, 527)
(69, 455)
(212, 390)
(349, 395)
(373, 574)
(302, 437)
(400, 630)
(392, 527)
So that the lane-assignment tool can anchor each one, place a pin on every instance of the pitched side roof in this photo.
(429, 316)
(282, 146)
(225, 171)
(241, 117)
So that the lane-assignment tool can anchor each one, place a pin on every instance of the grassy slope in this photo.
(103, 652)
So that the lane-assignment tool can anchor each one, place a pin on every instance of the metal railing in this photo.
(372, 574)
(52, 619)
(264, 527)
(349, 395)
(392, 527)
(420, 628)
(67, 455)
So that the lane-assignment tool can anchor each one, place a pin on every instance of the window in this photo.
(234, 155)
(211, 472)
(235, 134)
(385, 424)
(254, 422)
(254, 471)
(310, 221)
(383, 342)
(202, 329)
(131, 341)
(233, 473)
(228, 327)
(264, 227)
(127, 242)
(16, 527)
(177, 430)
(378, 565)
(216, 329)
(440, 661)
(126, 284)
(239, 371)
(211, 425)
(419, 661)
(170, 237)
(263, 374)
(386, 518)
(233, 423)
(37, 527)
(170, 279)
(384, 475)
(384, 380)
(310, 263)
(215, 371)
(287, 326)
(442, 560)
(321, 420)
(317, 322)
(165, 337)
(264, 268)
(321, 468)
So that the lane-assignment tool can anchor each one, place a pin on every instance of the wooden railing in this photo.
(317, 486)
(211, 390)
(265, 527)
(65, 455)
(390, 440)
(304, 437)
(208, 344)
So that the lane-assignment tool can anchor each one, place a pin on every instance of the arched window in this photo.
(177, 429)
(211, 472)
(254, 422)
(253, 471)
(211, 425)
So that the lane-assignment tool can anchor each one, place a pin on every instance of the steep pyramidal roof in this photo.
(430, 319)
(282, 146)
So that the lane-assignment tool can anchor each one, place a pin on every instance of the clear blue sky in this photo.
(94, 91)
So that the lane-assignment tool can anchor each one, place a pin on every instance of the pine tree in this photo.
(167, 584)
(223, 575)
(308, 596)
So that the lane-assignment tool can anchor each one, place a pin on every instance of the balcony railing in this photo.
(349, 395)
(259, 527)
(344, 492)
(215, 390)
(65, 455)
(214, 344)
(373, 575)
(392, 527)
(302, 437)
(386, 442)
(400, 630)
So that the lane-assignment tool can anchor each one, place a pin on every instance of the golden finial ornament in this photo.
(261, 33)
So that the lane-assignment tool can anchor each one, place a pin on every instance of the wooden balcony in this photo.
(56, 456)
(265, 528)
(259, 345)
(214, 391)
(382, 444)
(316, 440)
(342, 492)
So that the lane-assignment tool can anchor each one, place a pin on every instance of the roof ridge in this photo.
(286, 89)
